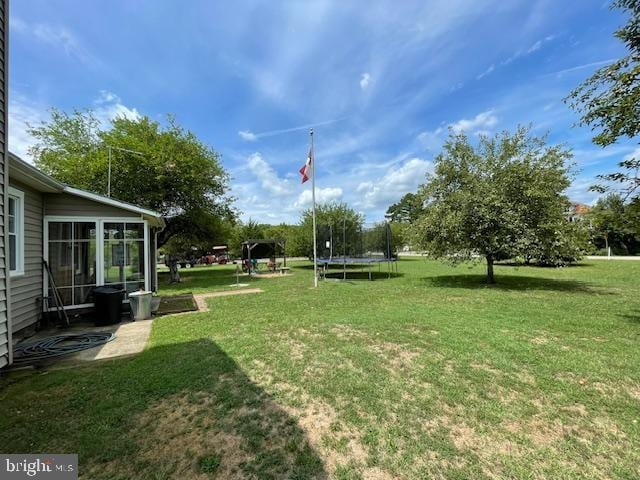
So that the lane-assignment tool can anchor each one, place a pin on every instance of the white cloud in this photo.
(365, 79)
(481, 124)
(633, 155)
(579, 191)
(248, 136)
(252, 137)
(24, 112)
(486, 72)
(323, 195)
(478, 124)
(586, 65)
(57, 37)
(432, 140)
(394, 184)
(108, 106)
(267, 176)
(107, 97)
(535, 47)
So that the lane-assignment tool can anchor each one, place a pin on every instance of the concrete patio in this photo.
(131, 338)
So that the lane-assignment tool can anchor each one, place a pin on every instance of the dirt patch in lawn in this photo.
(346, 332)
(633, 391)
(396, 355)
(295, 348)
(246, 433)
(338, 444)
(485, 367)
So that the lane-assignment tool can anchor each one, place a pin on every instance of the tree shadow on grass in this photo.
(514, 283)
(174, 411)
(633, 317)
(379, 271)
(540, 267)
(360, 275)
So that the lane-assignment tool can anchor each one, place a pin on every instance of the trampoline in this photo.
(356, 245)
(354, 260)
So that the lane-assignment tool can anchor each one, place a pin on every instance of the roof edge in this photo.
(110, 201)
(34, 173)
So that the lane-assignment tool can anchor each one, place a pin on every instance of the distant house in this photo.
(87, 240)
(577, 211)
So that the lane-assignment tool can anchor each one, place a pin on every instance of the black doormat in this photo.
(176, 304)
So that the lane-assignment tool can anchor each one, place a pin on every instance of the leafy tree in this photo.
(336, 215)
(493, 200)
(407, 210)
(609, 100)
(245, 231)
(616, 224)
(401, 233)
(557, 243)
(174, 172)
(288, 232)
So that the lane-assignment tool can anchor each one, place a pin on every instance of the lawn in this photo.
(429, 374)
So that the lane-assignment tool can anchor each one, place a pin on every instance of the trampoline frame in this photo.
(366, 262)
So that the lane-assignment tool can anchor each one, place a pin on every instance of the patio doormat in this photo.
(176, 304)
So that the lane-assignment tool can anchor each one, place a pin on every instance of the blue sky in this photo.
(381, 82)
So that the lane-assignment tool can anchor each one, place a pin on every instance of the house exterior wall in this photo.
(5, 326)
(26, 289)
(65, 204)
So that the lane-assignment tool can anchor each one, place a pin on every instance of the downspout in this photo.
(44, 306)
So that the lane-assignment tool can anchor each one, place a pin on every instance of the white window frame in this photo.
(99, 221)
(18, 198)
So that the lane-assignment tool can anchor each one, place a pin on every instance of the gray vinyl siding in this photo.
(5, 334)
(26, 290)
(68, 205)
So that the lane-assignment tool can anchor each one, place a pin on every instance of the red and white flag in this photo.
(305, 171)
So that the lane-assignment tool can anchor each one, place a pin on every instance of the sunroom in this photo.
(87, 240)
(85, 252)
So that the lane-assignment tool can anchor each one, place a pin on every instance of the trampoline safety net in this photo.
(350, 242)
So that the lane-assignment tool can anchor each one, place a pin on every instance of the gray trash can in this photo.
(140, 303)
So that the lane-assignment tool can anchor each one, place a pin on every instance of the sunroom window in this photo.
(72, 260)
(124, 265)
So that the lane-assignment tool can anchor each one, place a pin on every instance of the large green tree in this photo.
(494, 200)
(243, 231)
(609, 100)
(332, 219)
(615, 223)
(173, 172)
(407, 210)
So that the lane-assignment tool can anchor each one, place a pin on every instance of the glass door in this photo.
(72, 260)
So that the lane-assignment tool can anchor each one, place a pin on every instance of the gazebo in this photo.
(264, 248)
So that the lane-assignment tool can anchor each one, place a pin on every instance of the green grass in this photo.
(429, 374)
(200, 279)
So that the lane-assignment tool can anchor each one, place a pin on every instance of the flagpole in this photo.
(313, 209)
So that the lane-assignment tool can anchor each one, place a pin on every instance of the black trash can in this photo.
(108, 305)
